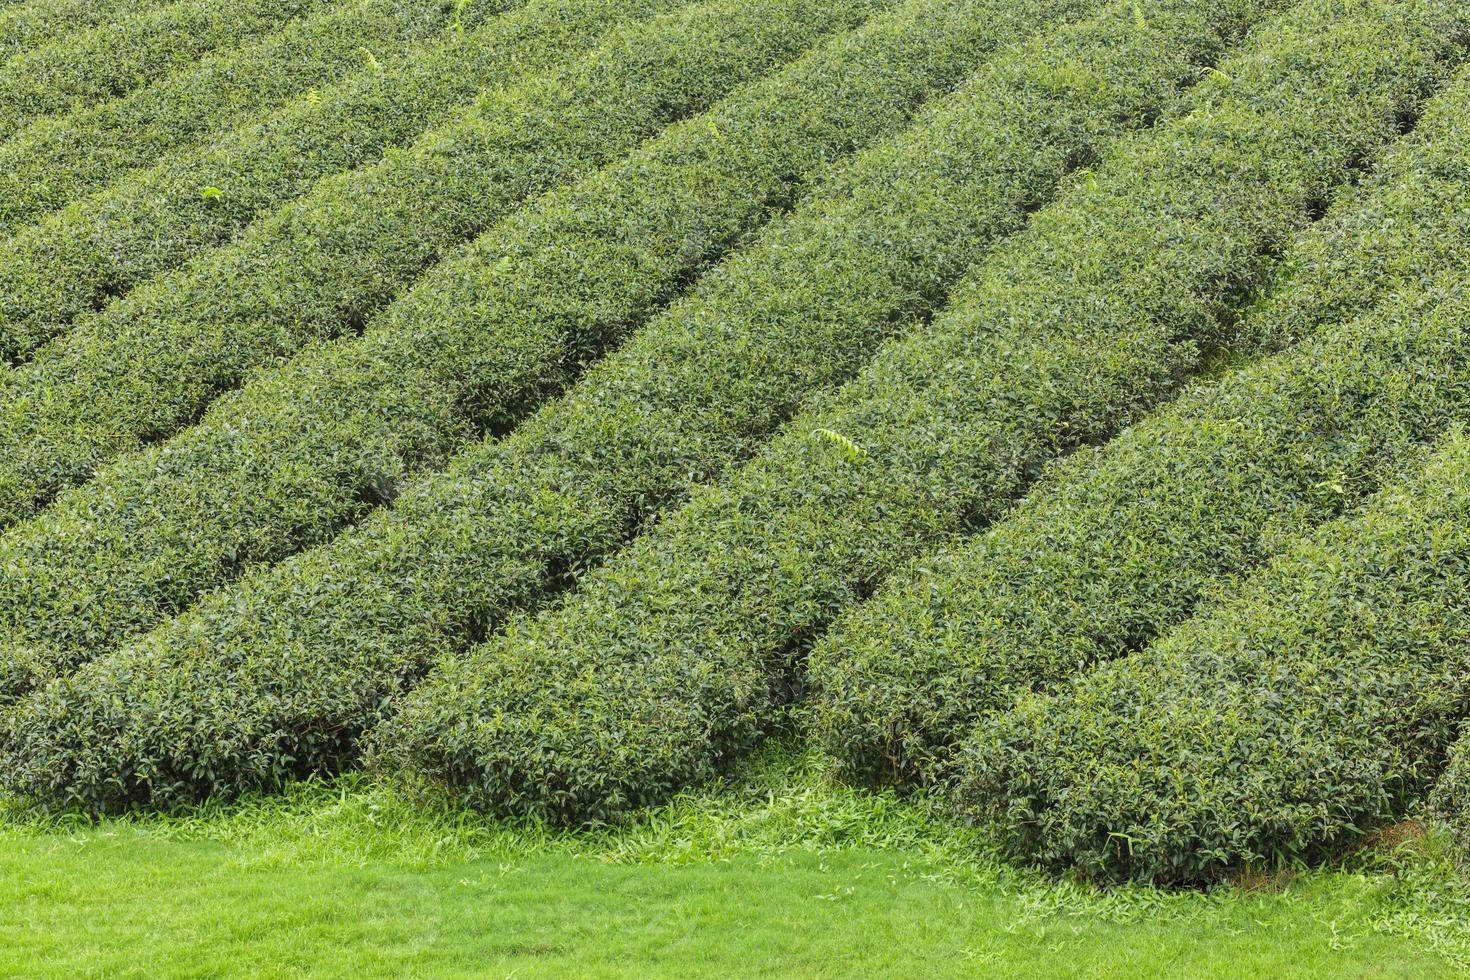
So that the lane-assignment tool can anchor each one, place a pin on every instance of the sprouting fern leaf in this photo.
(849, 448)
(456, 22)
(1139, 20)
(1208, 70)
(372, 60)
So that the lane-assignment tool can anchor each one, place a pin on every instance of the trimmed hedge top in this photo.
(152, 221)
(114, 58)
(1313, 704)
(1115, 545)
(64, 158)
(34, 23)
(853, 259)
(675, 656)
(323, 265)
(334, 636)
(346, 425)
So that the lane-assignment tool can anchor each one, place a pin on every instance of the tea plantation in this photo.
(1002, 461)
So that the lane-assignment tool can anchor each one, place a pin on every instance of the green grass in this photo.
(779, 873)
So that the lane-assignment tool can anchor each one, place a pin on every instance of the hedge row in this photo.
(1117, 544)
(323, 265)
(1450, 802)
(24, 26)
(61, 159)
(1315, 703)
(153, 221)
(674, 657)
(333, 636)
(290, 459)
(112, 59)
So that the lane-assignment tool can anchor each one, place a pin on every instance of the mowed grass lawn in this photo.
(777, 875)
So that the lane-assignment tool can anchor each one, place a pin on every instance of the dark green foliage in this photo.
(24, 26)
(1450, 802)
(472, 347)
(335, 635)
(323, 265)
(64, 158)
(1315, 703)
(1117, 544)
(153, 221)
(676, 656)
(114, 58)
